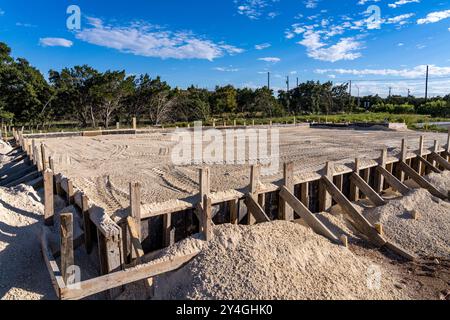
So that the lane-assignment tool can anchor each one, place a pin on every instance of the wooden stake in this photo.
(67, 257)
(49, 210)
(135, 209)
(44, 157)
(354, 191)
(285, 212)
(70, 192)
(255, 173)
(87, 223)
(344, 240)
(168, 230)
(304, 194)
(234, 211)
(379, 177)
(207, 218)
(205, 189)
(325, 200)
(379, 228)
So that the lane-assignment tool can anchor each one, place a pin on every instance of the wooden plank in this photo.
(420, 154)
(325, 201)
(87, 223)
(51, 264)
(105, 225)
(285, 212)
(234, 211)
(305, 214)
(359, 221)
(371, 194)
(113, 280)
(440, 160)
(400, 251)
(393, 181)
(207, 218)
(429, 165)
(379, 177)
(49, 210)
(255, 210)
(135, 205)
(304, 194)
(421, 181)
(354, 191)
(67, 257)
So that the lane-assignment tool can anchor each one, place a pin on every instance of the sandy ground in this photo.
(103, 166)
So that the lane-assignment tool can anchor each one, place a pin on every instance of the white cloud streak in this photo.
(434, 17)
(401, 3)
(270, 59)
(416, 72)
(55, 42)
(149, 41)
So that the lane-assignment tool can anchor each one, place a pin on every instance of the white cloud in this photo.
(416, 72)
(226, 69)
(401, 3)
(255, 9)
(311, 4)
(401, 19)
(149, 41)
(434, 17)
(2, 12)
(25, 25)
(270, 59)
(262, 46)
(400, 44)
(363, 2)
(55, 42)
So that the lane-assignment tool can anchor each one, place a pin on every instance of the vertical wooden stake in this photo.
(49, 210)
(255, 173)
(67, 257)
(207, 218)
(51, 164)
(70, 192)
(403, 155)
(205, 189)
(44, 157)
(380, 179)
(325, 200)
(304, 193)
(135, 209)
(87, 223)
(435, 150)
(420, 154)
(234, 211)
(354, 190)
(168, 230)
(285, 212)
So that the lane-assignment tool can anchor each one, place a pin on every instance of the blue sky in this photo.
(208, 43)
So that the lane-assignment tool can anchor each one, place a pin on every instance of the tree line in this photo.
(93, 98)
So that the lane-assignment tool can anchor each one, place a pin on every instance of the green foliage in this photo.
(394, 108)
(439, 108)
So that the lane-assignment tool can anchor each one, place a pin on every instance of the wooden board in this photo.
(307, 215)
(362, 185)
(429, 165)
(421, 181)
(393, 181)
(440, 160)
(120, 278)
(255, 210)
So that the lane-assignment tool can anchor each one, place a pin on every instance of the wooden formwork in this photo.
(119, 238)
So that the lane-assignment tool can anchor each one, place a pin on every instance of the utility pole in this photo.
(297, 82)
(287, 95)
(426, 85)
(350, 93)
(390, 92)
(409, 93)
(268, 80)
(287, 83)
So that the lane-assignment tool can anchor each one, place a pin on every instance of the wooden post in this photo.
(255, 173)
(44, 157)
(67, 257)
(436, 151)
(168, 230)
(340, 182)
(304, 194)
(135, 209)
(48, 197)
(354, 191)
(285, 212)
(207, 218)
(134, 123)
(33, 152)
(325, 200)
(51, 164)
(420, 154)
(70, 192)
(205, 189)
(234, 211)
(87, 223)
(379, 177)
(403, 156)
(448, 145)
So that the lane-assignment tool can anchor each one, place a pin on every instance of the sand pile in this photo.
(278, 260)
(429, 235)
(4, 147)
(440, 181)
(23, 274)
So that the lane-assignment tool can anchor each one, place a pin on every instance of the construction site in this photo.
(359, 213)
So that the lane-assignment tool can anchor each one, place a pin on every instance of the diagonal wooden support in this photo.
(255, 210)
(429, 165)
(312, 221)
(367, 190)
(440, 160)
(325, 201)
(421, 181)
(393, 181)
(135, 240)
(359, 221)
(354, 191)
(379, 177)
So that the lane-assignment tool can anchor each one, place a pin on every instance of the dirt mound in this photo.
(428, 235)
(278, 260)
